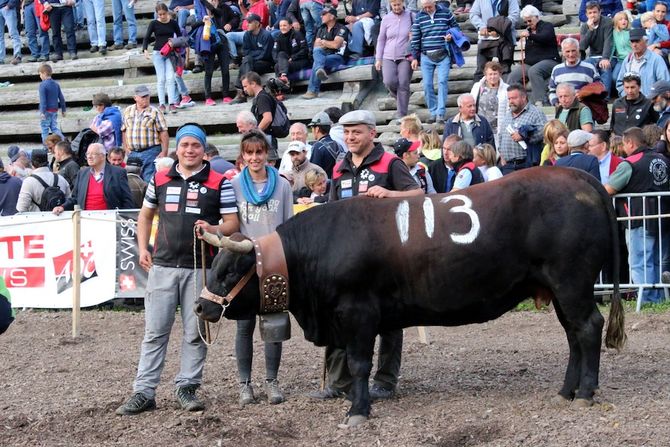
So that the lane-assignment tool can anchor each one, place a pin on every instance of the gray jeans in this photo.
(168, 287)
(538, 75)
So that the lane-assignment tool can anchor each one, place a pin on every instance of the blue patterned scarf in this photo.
(249, 190)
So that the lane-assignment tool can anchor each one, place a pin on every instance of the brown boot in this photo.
(240, 98)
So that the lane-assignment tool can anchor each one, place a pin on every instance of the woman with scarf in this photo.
(264, 201)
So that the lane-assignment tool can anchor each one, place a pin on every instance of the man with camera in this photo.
(262, 107)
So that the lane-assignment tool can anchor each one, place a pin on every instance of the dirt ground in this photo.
(482, 385)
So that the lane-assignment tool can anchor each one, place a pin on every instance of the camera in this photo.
(277, 87)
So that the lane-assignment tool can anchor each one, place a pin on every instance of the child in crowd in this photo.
(51, 99)
(656, 33)
(616, 146)
(431, 146)
(315, 190)
(621, 41)
(556, 142)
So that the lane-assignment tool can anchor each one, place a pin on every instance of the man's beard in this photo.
(660, 106)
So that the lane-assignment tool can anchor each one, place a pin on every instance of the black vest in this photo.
(650, 174)
(375, 170)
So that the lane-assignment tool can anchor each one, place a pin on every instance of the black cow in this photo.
(363, 266)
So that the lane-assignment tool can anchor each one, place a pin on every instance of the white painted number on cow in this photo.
(402, 221)
(429, 215)
(466, 208)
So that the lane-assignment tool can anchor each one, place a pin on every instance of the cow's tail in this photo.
(615, 337)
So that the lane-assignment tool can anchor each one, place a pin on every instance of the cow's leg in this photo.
(572, 373)
(589, 335)
(359, 359)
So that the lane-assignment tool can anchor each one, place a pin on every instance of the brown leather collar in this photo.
(225, 300)
(272, 273)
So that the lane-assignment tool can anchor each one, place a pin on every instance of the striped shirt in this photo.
(227, 201)
(578, 75)
(142, 129)
(428, 31)
(529, 116)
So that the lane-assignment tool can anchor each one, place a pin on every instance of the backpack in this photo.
(280, 123)
(81, 142)
(52, 196)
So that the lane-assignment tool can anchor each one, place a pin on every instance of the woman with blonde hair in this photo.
(485, 159)
(410, 127)
(431, 146)
(556, 142)
(620, 41)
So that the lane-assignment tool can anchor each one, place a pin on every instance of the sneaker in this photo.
(42, 59)
(246, 394)
(103, 50)
(131, 46)
(321, 74)
(187, 398)
(74, 57)
(430, 120)
(198, 69)
(162, 108)
(378, 392)
(211, 102)
(117, 46)
(93, 49)
(275, 396)
(326, 393)
(56, 57)
(239, 99)
(310, 95)
(15, 61)
(227, 100)
(138, 403)
(186, 101)
(173, 108)
(32, 59)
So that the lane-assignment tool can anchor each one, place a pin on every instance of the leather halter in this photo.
(273, 286)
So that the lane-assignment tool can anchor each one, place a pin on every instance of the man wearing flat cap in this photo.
(579, 157)
(370, 171)
(144, 132)
(649, 65)
(325, 150)
(659, 96)
(187, 195)
(329, 47)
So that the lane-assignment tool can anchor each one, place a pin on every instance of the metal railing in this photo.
(654, 220)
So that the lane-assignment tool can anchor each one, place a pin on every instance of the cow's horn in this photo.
(244, 246)
(211, 239)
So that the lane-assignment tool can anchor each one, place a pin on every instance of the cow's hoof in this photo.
(353, 421)
(559, 401)
(583, 403)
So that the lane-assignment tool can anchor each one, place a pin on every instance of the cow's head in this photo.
(229, 266)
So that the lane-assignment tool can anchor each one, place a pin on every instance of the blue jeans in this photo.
(181, 86)
(235, 38)
(182, 15)
(643, 256)
(50, 123)
(357, 40)
(95, 20)
(8, 16)
(119, 10)
(165, 78)
(325, 61)
(147, 157)
(64, 16)
(311, 16)
(32, 26)
(437, 108)
(605, 75)
(79, 13)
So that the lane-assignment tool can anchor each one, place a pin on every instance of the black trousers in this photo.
(248, 64)
(219, 57)
(284, 66)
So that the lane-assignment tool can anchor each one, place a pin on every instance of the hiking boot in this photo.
(32, 59)
(117, 46)
(321, 74)
(239, 99)
(186, 101)
(378, 392)
(275, 396)
(42, 59)
(138, 403)
(246, 394)
(198, 69)
(93, 49)
(210, 102)
(103, 50)
(56, 57)
(131, 46)
(326, 393)
(74, 57)
(187, 398)
(310, 95)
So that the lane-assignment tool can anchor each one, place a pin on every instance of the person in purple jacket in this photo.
(51, 99)
(391, 56)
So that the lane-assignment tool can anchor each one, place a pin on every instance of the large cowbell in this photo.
(275, 327)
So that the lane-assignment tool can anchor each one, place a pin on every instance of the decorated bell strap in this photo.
(272, 273)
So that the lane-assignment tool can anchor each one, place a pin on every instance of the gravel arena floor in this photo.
(482, 385)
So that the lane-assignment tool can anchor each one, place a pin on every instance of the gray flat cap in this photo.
(142, 90)
(659, 88)
(578, 138)
(358, 117)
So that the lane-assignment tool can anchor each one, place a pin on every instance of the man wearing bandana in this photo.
(190, 194)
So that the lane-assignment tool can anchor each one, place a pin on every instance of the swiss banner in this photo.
(36, 258)
(132, 278)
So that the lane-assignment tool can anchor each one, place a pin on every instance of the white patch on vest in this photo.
(402, 221)
(429, 216)
(466, 208)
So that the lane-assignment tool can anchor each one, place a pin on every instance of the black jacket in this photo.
(115, 189)
(293, 44)
(627, 114)
(541, 45)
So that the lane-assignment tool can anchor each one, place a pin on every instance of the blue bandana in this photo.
(190, 130)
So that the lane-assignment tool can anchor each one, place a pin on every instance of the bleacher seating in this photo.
(120, 71)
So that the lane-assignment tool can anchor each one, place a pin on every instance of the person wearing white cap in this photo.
(325, 151)
(579, 157)
(298, 152)
(367, 170)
